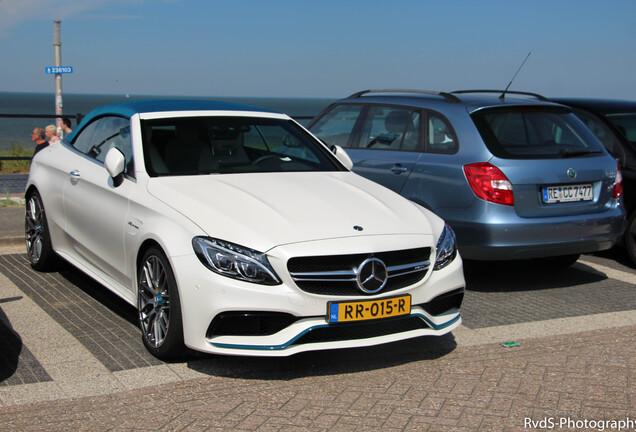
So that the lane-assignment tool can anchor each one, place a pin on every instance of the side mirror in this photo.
(115, 164)
(342, 156)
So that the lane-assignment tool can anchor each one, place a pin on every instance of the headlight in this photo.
(231, 260)
(446, 248)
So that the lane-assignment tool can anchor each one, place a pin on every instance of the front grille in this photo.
(336, 275)
(344, 332)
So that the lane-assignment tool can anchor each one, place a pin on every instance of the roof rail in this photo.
(502, 92)
(449, 97)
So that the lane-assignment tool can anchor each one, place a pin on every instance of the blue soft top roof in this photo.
(130, 108)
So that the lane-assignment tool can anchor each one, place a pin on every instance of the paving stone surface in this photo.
(71, 358)
(107, 326)
(584, 379)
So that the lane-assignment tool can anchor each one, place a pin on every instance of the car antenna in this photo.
(503, 95)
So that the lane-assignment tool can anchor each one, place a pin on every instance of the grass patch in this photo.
(15, 167)
(8, 201)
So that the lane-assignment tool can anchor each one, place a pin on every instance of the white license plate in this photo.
(567, 193)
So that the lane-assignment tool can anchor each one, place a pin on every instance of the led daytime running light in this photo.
(235, 261)
(446, 248)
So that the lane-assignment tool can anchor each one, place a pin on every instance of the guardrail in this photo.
(13, 158)
(78, 118)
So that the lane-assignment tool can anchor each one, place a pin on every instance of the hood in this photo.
(265, 210)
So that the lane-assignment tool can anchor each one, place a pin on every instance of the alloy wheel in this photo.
(34, 223)
(154, 301)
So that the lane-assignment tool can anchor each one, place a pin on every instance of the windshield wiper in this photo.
(565, 153)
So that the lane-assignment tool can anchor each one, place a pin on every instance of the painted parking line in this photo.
(610, 272)
(103, 323)
(73, 369)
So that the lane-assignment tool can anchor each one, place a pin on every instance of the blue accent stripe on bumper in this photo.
(301, 334)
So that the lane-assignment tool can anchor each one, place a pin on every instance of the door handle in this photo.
(75, 177)
(398, 169)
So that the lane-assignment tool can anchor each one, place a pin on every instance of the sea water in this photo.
(17, 131)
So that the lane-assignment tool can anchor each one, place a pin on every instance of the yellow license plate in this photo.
(338, 312)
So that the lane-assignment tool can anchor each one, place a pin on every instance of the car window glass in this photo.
(224, 145)
(411, 140)
(441, 138)
(626, 123)
(601, 131)
(111, 132)
(276, 140)
(82, 141)
(384, 128)
(336, 127)
(534, 132)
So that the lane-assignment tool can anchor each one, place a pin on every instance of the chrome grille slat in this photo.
(316, 276)
(408, 268)
(351, 275)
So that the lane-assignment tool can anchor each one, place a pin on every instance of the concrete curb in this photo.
(12, 241)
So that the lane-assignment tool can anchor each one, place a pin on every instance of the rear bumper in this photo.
(512, 238)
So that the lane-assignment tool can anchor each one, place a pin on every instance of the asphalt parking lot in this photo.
(72, 358)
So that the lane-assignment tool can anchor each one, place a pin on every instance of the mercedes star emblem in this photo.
(372, 275)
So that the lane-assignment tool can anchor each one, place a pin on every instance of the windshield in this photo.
(535, 132)
(219, 145)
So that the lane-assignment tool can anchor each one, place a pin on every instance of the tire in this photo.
(37, 235)
(159, 306)
(629, 238)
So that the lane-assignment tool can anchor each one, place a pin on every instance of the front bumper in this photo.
(205, 295)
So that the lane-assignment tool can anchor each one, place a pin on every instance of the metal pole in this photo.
(57, 48)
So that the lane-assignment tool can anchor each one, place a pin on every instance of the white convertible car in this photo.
(233, 230)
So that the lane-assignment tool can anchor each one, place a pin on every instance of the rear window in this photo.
(535, 132)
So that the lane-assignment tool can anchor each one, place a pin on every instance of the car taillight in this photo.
(489, 183)
(618, 183)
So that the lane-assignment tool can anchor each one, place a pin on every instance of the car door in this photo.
(382, 141)
(388, 145)
(96, 210)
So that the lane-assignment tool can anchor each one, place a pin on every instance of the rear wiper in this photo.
(565, 153)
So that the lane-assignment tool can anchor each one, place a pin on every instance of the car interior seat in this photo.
(228, 150)
(155, 148)
(189, 152)
(395, 124)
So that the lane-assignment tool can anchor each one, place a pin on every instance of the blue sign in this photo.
(59, 69)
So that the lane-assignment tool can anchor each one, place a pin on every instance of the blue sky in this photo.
(328, 48)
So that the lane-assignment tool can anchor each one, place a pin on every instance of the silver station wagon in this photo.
(514, 175)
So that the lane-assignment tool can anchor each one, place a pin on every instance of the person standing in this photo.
(51, 134)
(66, 126)
(38, 137)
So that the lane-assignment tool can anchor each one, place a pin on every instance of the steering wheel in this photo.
(262, 158)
